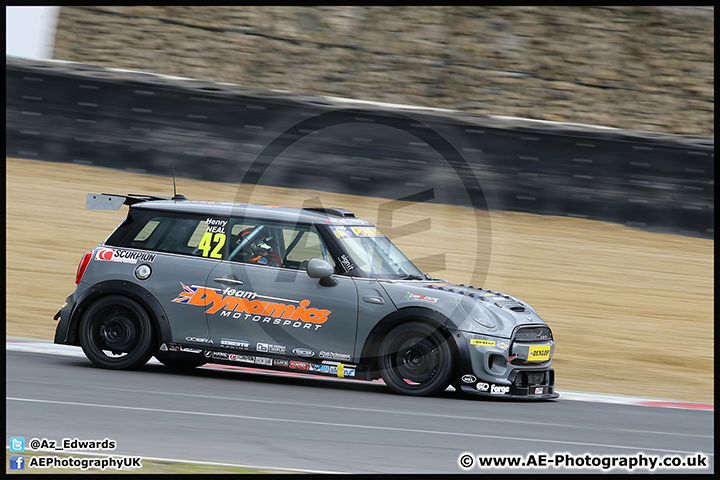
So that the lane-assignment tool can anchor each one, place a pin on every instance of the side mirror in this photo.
(319, 268)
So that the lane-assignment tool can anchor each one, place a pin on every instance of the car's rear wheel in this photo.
(116, 333)
(415, 358)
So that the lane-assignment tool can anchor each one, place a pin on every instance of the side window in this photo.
(306, 244)
(255, 242)
(276, 245)
(201, 236)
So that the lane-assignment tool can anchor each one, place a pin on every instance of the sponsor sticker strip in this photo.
(327, 367)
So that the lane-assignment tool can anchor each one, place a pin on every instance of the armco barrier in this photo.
(75, 113)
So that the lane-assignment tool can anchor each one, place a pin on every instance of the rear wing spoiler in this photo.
(109, 201)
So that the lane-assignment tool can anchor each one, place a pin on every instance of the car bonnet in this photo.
(469, 308)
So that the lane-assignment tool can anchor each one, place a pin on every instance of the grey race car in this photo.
(312, 290)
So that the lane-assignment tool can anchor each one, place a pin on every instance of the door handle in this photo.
(374, 299)
(230, 281)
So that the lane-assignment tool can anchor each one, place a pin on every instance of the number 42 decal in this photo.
(212, 244)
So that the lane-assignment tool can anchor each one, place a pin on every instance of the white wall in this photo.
(30, 31)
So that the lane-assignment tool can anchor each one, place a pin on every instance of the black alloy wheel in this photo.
(116, 333)
(416, 359)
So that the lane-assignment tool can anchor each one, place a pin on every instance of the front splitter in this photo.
(498, 391)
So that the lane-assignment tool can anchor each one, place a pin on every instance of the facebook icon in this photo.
(17, 462)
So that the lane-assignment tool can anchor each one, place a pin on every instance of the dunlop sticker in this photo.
(538, 354)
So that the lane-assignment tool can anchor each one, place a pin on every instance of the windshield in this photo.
(374, 253)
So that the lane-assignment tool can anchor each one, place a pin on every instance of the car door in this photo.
(278, 309)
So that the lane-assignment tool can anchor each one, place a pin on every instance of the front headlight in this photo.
(473, 309)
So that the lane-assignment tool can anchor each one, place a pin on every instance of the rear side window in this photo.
(196, 235)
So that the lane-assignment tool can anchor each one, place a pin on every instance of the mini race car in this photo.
(310, 290)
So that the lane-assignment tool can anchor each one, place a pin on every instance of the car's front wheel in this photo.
(415, 358)
(116, 333)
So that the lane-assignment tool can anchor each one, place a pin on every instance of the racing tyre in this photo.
(179, 361)
(416, 359)
(116, 333)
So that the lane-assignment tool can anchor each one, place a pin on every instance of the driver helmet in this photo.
(260, 246)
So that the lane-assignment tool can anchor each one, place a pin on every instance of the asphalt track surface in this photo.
(298, 423)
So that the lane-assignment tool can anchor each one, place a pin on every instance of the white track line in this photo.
(378, 411)
(534, 441)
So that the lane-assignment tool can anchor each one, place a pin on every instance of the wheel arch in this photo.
(157, 315)
(369, 354)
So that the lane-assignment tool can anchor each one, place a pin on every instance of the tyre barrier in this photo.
(142, 122)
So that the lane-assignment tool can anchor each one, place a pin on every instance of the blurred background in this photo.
(637, 67)
(569, 152)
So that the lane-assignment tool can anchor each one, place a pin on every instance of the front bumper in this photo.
(502, 368)
(540, 385)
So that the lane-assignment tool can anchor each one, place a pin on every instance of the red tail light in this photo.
(83, 265)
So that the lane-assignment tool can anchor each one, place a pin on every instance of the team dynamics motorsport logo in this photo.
(245, 305)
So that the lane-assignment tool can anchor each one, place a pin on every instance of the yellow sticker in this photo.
(340, 370)
(537, 354)
(366, 231)
(214, 242)
(479, 341)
